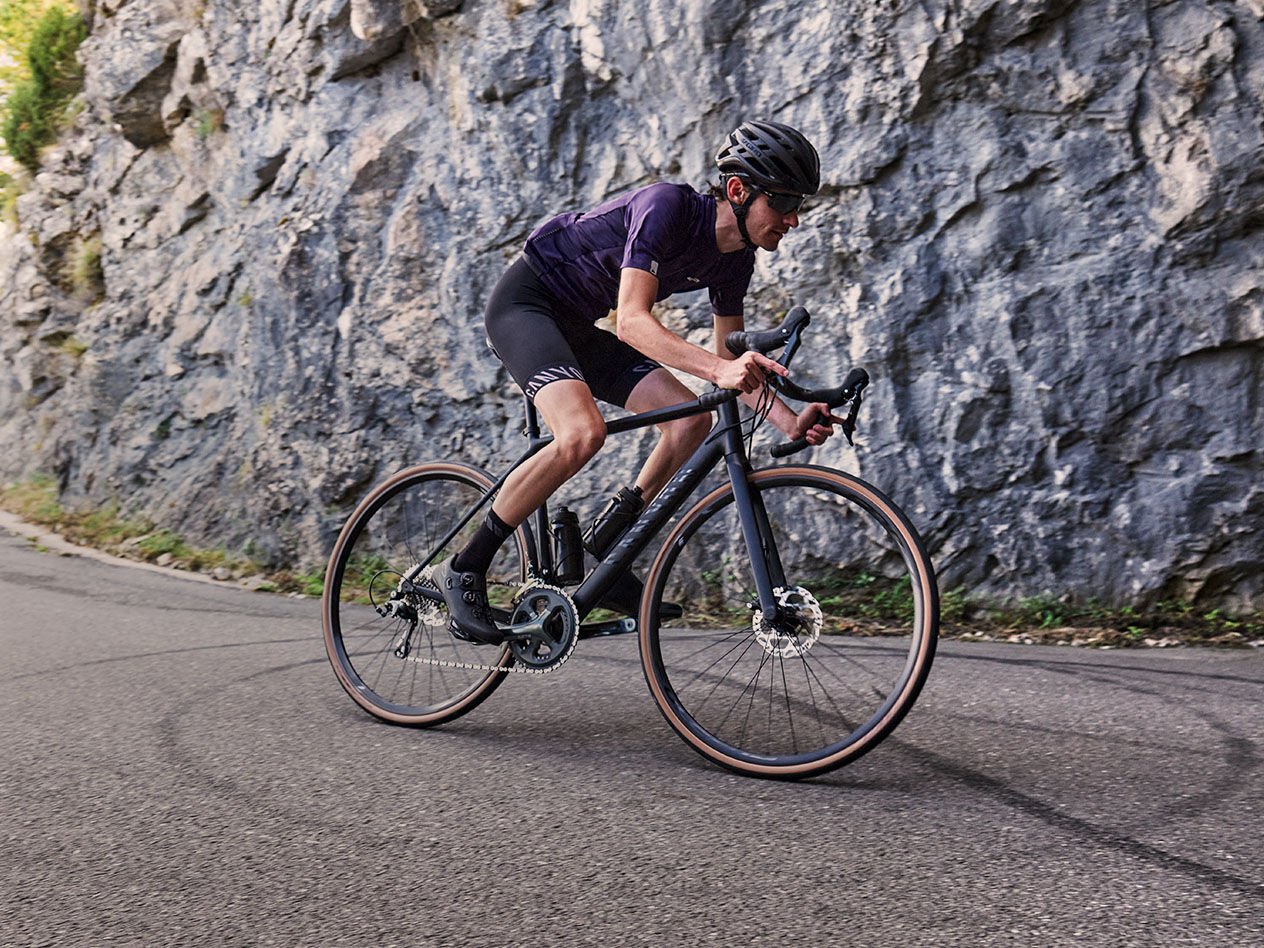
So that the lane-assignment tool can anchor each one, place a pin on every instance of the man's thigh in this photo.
(658, 389)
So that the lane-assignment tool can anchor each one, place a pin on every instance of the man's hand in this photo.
(815, 423)
(747, 372)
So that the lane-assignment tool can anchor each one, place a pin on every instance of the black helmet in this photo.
(771, 156)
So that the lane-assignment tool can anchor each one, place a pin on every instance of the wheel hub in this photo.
(797, 626)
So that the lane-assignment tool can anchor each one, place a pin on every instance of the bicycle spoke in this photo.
(785, 689)
(741, 642)
(790, 692)
(394, 532)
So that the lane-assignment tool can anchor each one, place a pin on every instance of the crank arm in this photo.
(533, 630)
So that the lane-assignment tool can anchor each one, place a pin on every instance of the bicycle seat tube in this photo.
(669, 499)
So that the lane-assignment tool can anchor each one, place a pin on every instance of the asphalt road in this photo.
(178, 766)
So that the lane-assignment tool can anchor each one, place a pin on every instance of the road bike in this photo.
(787, 624)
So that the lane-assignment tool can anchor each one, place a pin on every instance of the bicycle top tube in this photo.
(700, 405)
(655, 416)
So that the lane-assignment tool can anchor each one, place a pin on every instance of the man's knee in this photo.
(688, 432)
(578, 428)
(579, 441)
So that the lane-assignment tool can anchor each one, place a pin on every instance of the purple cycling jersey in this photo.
(667, 230)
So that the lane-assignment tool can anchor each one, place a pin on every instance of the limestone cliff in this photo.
(1041, 230)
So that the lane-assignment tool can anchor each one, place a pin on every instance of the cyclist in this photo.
(625, 255)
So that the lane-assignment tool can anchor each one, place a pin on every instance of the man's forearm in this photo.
(646, 334)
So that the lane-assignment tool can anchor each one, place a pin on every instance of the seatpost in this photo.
(531, 419)
(543, 548)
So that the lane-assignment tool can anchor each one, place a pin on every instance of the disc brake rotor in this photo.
(798, 626)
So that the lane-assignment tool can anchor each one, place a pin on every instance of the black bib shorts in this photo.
(540, 342)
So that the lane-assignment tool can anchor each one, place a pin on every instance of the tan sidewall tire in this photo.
(463, 472)
(927, 624)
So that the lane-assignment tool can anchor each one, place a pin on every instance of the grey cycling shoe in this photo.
(625, 596)
(469, 612)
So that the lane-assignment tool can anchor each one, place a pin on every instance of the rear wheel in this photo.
(389, 643)
(844, 661)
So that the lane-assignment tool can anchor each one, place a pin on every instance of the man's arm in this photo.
(639, 329)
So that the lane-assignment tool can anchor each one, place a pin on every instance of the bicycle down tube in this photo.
(724, 441)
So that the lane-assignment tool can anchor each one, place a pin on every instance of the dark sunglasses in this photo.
(781, 202)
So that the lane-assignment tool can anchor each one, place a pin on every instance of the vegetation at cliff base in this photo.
(38, 72)
(37, 501)
(108, 528)
(870, 607)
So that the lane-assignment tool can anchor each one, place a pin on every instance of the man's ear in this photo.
(735, 190)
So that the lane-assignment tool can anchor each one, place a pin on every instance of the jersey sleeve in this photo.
(658, 222)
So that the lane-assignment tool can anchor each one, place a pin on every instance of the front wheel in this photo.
(387, 641)
(858, 619)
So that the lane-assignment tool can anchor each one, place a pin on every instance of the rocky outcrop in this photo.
(1041, 230)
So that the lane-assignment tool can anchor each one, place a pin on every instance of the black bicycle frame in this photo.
(725, 441)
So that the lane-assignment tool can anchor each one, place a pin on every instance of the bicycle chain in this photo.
(513, 666)
(473, 666)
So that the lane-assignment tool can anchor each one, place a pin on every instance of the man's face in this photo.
(765, 224)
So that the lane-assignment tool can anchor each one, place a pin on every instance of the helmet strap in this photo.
(740, 211)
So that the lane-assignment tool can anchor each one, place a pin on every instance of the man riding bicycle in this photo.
(627, 254)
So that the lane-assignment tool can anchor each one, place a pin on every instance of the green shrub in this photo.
(28, 126)
(35, 105)
(51, 55)
(18, 20)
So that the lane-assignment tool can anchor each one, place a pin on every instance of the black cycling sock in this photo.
(481, 550)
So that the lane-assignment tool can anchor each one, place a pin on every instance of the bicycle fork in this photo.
(766, 568)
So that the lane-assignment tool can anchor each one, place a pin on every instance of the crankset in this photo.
(544, 627)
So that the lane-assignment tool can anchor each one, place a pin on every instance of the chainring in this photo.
(799, 627)
(544, 627)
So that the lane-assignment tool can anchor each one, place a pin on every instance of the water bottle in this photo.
(623, 508)
(568, 550)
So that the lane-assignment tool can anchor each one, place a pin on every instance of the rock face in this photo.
(1041, 230)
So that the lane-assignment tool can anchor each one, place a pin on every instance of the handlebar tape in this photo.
(768, 339)
(850, 391)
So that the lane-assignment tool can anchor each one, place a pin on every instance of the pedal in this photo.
(594, 630)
